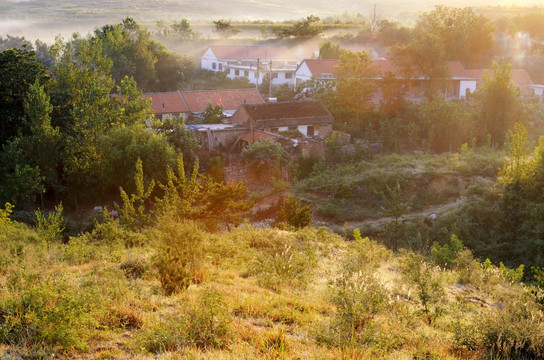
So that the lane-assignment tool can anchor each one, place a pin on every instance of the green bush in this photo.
(284, 261)
(358, 299)
(208, 324)
(179, 255)
(54, 314)
(516, 332)
(445, 255)
(50, 227)
(427, 282)
(293, 214)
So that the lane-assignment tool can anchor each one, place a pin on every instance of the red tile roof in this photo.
(167, 102)
(318, 67)
(229, 52)
(520, 77)
(197, 101)
(458, 71)
(257, 135)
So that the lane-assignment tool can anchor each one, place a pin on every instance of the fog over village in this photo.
(271, 180)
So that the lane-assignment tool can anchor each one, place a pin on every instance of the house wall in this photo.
(465, 85)
(302, 74)
(319, 129)
(208, 59)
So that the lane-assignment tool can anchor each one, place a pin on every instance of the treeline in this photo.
(74, 130)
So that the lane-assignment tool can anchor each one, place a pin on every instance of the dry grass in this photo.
(132, 318)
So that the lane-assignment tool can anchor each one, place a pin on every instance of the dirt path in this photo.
(376, 222)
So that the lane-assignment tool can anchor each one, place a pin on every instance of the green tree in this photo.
(329, 50)
(518, 168)
(424, 57)
(19, 69)
(224, 28)
(464, 35)
(42, 145)
(303, 30)
(355, 84)
(183, 139)
(134, 212)
(499, 103)
(212, 114)
(182, 30)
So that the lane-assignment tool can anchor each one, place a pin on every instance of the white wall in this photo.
(302, 74)
(466, 84)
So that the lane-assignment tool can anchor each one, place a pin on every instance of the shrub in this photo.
(50, 227)
(427, 282)
(52, 314)
(283, 260)
(445, 255)
(260, 155)
(134, 268)
(5, 214)
(293, 214)
(516, 332)
(179, 255)
(208, 324)
(358, 299)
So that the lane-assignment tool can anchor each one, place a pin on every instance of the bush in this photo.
(208, 324)
(516, 332)
(260, 155)
(55, 314)
(427, 282)
(445, 255)
(284, 261)
(179, 255)
(293, 214)
(358, 299)
(50, 227)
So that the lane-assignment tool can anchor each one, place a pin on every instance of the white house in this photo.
(315, 69)
(460, 83)
(252, 62)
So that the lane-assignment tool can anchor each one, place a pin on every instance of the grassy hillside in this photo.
(175, 291)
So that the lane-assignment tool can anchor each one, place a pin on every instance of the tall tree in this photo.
(499, 103)
(424, 57)
(355, 81)
(19, 69)
(329, 50)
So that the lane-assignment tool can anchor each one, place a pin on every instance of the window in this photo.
(220, 67)
(310, 131)
(274, 75)
(289, 75)
(246, 73)
(214, 66)
(236, 72)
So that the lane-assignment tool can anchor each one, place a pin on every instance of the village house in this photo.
(185, 103)
(462, 82)
(230, 99)
(310, 118)
(165, 104)
(253, 62)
